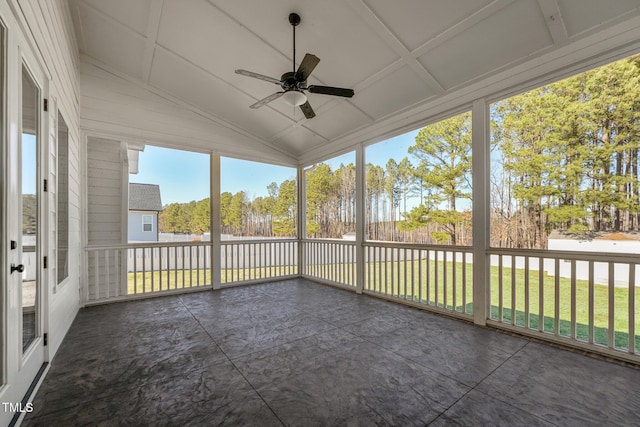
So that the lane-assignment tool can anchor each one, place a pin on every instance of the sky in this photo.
(183, 176)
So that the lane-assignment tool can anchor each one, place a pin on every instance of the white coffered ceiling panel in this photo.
(511, 34)
(431, 16)
(394, 92)
(582, 15)
(348, 49)
(338, 120)
(403, 58)
(300, 139)
(212, 95)
(133, 14)
(112, 43)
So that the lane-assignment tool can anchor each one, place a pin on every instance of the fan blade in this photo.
(306, 67)
(328, 90)
(307, 110)
(258, 76)
(266, 100)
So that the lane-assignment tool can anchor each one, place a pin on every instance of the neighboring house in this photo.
(144, 206)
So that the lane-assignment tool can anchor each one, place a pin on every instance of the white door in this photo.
(26, 229)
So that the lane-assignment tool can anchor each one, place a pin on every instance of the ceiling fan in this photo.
(294, 83)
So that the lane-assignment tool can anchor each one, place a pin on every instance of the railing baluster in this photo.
(413, 274)
(464, 282)
(380, 282)
(437, 282)
(500, 289)
(96, 262)
(428, 287)
(527, 312)
(420, 275)
(144, 270)
(556, 306)
(153, 269)
(591, 302)
(116, 256)
(160, 266)
(107, 273)
(184, 268)
(632, 308)
(404, 263)
(513, 290)
(445, 282)
(540, 294)
(573, 299)
(135, 270)
(454, 277)
(611, 311)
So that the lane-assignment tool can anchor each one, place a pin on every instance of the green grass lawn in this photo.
(389, 279)
(179, 279)
(408, 280)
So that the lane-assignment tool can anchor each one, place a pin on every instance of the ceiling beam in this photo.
(396, 45)
(555, 23)
(153, 25)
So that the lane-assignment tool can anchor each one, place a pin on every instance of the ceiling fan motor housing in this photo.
(289, 80)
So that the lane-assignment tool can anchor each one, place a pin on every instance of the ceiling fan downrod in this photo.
(294, 20)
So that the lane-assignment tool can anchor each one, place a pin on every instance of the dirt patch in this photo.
(615, 236)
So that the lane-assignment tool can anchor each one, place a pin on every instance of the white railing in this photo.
(245, 261)
(121, 271)
(141, 269)
(331, 261)
(560, 296)
(434, 277)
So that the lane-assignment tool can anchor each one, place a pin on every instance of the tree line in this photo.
(563, 157)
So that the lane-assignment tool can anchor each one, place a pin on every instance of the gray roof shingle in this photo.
(144, 197)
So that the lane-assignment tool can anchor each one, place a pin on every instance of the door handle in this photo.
(19, 268)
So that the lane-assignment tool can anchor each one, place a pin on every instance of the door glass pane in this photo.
(29, 155)
(63, 199)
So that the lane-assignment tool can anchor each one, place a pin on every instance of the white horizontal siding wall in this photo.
(104, 186)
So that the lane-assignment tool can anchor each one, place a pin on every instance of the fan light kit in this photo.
(295, 98)
(294, 83)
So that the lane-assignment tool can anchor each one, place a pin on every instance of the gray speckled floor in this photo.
(301, 354)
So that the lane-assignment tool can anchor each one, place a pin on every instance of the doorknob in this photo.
(19, 268)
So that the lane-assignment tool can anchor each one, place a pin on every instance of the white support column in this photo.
(360, 215)
(481, 210)
(124, 216)
(302, 220)
(215, 220)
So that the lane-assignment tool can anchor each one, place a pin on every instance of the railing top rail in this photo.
(346, 242)
(447, 248)
(145, 245)
(180, 244)
(569, 255)
(245, 241)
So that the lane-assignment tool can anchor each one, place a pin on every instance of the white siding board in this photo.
(104, 184)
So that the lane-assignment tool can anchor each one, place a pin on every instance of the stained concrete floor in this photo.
(301, 354)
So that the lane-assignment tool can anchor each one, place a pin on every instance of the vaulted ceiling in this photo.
(396, 55)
